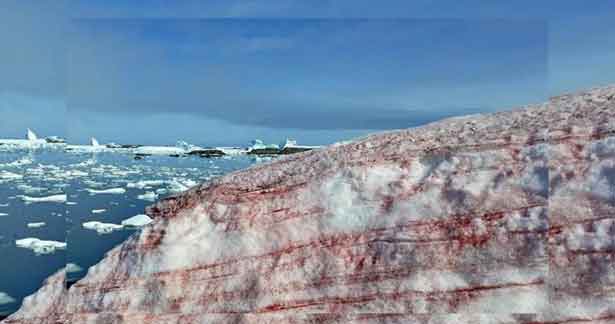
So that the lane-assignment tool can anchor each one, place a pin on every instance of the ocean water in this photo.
(81, 177)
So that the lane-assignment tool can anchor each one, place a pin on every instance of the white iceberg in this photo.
(259, 145)
(101, 228)
(40, 246)
(137, 221)
(3, 214)
(53, 199)
(98, 211)
(291, 143)
(31, 136)
(6, 299)
(112, 191)
(36, 224)
(149, 196)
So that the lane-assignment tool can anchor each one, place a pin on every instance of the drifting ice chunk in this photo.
(3, 214)
(101, 228)
(112, 191)
(98, 211)
(144, 183)
(30, 136)
(5, 175)
(36, 225)
(73, 267)
(20, 162)
(149, 196)
(159, 150)
(137, 221)
(6, 299)
(54, 199)
(40, 246)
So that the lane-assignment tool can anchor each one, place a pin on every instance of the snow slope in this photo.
(499, 218)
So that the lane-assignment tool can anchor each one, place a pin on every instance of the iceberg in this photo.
(112, 191)
(54, 199)
(94, 142)
(36, 224)
(101, 228)
(3, 214)
(40, 246)
(98, 211)
(30, 136)
(258, 144)
(137, 221)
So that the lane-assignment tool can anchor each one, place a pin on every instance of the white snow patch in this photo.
(137, 221)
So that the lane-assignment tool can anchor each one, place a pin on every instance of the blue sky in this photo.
(222, 73)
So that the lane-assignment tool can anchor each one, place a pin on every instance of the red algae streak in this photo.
(495, 218)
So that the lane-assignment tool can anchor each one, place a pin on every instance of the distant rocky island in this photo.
(497, 218)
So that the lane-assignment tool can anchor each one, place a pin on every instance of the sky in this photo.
(226, 72)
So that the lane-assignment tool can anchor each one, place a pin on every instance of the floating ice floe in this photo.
(40, 246)
(30, 189)
(20, 162)
(112, 191)
(101, 228)
(6, 175)
(159, 150)
(36, 224)
(6, 299)
(4, 205)
(52, 199)
(3, 214)
(73, 267)
(71, 203)
(98, 211)
(144, 184)
(137, 221)
(149, 196)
